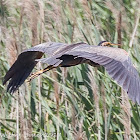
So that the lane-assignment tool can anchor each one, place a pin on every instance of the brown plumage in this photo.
(115, 60)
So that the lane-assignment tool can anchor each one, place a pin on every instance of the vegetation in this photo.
(73, 103)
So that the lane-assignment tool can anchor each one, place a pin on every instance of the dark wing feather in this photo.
(118, 65)
(21, 69)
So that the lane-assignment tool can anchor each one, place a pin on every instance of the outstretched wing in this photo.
(26, 61)
(21, 69)
(118, 65)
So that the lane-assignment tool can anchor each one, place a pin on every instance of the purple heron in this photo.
(116, 62)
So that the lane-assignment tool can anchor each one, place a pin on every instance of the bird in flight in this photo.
(116, 62)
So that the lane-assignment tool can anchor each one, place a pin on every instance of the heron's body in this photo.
(116, 62)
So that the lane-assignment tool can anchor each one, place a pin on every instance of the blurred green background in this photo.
(73, 103)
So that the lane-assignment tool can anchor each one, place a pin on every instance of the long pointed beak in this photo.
(115, 44)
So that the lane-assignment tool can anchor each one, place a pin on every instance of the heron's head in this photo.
(106, 43)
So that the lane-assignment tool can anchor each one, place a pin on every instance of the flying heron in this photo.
(116, 61)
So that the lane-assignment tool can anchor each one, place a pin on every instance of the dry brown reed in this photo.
(125, 102)
(92, 75)
(126, 115)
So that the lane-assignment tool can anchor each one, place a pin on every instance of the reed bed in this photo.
(72, 103)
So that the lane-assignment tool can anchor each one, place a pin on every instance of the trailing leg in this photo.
(36, 74)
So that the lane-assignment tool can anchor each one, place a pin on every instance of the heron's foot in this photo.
(34, 75)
